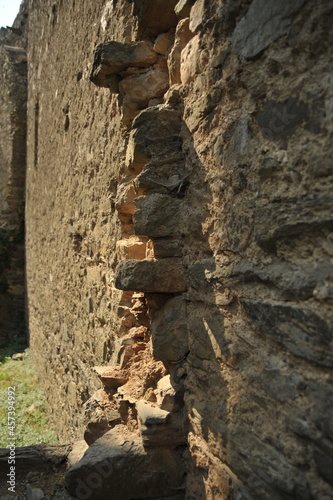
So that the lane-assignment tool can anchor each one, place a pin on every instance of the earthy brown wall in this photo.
(232, 173)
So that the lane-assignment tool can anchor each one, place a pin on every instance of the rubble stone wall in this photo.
(179, 241)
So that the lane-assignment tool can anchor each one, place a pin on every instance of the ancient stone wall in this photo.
(179, 243)
(13, 100)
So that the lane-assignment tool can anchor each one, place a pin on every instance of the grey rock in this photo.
(149, 414)
(163, 276)
(323, 456)
(293, 281)
(34, 493)
(110, 462)
(114, 57)
(299, 330)
(264, 22)
(278, 120)
(164, 248)
(169, 331)
(155, 136)
(291, 218)
(157, 215)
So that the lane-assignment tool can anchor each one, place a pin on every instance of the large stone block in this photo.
(182, 37)
(155, 135)
(169, 331)
(161, 276)
(114, 57)
(264, 22)
(107, 465)
(299, 330)
(157, 215)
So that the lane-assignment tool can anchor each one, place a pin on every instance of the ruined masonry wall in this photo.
(179, 236)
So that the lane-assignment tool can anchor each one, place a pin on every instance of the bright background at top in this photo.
(8, 11)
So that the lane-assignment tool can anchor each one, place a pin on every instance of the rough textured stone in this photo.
(113, 57)
(290, 218)
(34, 493)
(301, 331)
(77, 452)
(182, 37)
(153, 17)
(183, 8)
(158, 215)
(164, 276)
(264, 22)
(169, 331)
(109, 462)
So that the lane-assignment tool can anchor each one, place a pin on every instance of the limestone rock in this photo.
(165, 394)
(197, 15)
(189, 61)
(157, 215)
(78, 450)
(114, 57)
(138, 90)
(169, 331)
(164, 276)
(163, 43)
(106, 467)
(125, 198)
(182, 37)
(264, 22)
(110, 377)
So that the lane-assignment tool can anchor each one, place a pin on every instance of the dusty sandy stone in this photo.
(182, 37)
(163, 43)
(183, 8)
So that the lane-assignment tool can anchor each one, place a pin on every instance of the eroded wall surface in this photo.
(179, 237)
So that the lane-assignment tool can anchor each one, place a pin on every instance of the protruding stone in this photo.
(182, 37)
(138, 90)
(169, 331)
(114, 57)
(106, 467)
(166, 248)
(159, 427)
(149, 414)
(165, 394)
(155, 135)
(163, 43)
(78, 450)
(110, 377)
(125, 198)
(163, 276)
(183, 8)
(157, 215)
